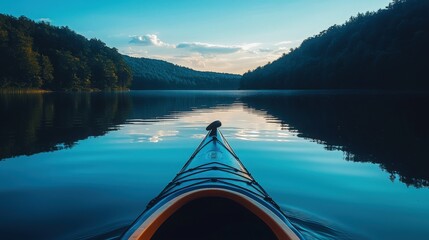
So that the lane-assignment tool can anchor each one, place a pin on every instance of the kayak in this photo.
(212, 197)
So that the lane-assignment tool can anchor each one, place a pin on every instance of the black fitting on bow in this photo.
(213, 127)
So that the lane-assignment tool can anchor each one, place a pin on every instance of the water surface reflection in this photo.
(33, 123)
(388, 129)
(86, 164)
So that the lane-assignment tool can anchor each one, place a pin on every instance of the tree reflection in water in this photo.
(387, 129)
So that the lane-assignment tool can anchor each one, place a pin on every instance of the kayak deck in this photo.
(213, 164)
(212, 197)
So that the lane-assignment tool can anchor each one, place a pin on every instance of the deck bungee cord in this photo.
(214, 173)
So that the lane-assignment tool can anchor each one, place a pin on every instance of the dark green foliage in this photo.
(38, 55)
(383, 50)
(157, 74)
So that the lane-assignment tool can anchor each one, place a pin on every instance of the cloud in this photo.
(249, 46)
(234, 58)
(283, 43)
(265, 50)
(207, 48)
(45, 20)
(148, 40)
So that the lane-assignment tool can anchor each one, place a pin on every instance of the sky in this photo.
(231, 36)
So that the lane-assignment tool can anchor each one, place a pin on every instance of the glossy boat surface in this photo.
(212, 197)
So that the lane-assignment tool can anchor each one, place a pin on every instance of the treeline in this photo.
(158, 74)
(38, 55)
(387, 49)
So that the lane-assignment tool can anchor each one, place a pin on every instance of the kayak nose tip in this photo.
(213, 125)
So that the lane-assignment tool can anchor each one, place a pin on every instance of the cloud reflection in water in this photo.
(238, 122)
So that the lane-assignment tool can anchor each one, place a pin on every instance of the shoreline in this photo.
(34, 90)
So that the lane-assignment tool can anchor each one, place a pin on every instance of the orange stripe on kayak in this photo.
(148, 228)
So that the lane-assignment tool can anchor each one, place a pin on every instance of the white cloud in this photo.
(249, 46)
(265, 50)
(234, 58)
(207, 48)
(148, 40)
(283, 43)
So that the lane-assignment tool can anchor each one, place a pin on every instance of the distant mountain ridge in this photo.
(159, 74)
(387, 49)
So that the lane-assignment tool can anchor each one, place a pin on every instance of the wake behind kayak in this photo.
(212, 197)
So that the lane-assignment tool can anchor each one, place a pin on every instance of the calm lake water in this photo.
(342, 165)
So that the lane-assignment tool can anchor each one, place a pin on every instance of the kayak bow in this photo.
(212, 197)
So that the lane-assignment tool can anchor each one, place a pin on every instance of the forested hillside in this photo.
(38, 55)
(387, 49)
(157, 74)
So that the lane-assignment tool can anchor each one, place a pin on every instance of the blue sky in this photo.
(223, 35)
